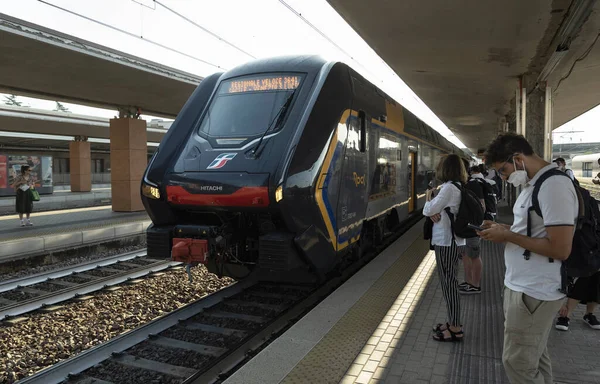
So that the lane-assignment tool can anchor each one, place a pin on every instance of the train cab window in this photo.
(362, 121)
(245, 107)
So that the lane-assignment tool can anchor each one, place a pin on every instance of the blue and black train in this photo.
(285, 167)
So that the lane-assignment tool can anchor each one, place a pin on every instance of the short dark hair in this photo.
(483, 170)
(475, 169)
(24, 168)
(452, 168)
(559, 160)
(506, 145)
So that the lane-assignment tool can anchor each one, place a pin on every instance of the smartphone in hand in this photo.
(475, 227)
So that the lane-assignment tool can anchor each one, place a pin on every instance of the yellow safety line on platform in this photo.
(61, 212)
(330, 359)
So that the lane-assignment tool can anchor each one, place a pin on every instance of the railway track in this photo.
(23, 295)
(204, 341)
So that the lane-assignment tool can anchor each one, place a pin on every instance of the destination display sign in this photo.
(262, 84)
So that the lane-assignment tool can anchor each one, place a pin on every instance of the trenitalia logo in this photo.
(221, 160)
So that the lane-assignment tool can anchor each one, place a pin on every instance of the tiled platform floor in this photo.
(391, 343)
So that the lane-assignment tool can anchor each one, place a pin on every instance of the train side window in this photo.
(362, 119)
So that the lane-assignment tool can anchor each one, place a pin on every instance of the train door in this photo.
(412, 191)
(353, 200)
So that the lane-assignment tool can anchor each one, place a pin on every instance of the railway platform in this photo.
(376, 328)
(63, 198)
(64, 229)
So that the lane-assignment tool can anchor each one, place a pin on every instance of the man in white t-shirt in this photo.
(531, 292)
(562, 165)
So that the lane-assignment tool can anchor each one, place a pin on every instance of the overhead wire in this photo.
(325, 36)
(132, 34)
(581, 58)
(204, 29)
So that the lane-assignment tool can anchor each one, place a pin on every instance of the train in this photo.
(586, 167)
(286, 167)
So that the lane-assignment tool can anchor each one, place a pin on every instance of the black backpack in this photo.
(489, 193)
(470, 211)
(584, 259)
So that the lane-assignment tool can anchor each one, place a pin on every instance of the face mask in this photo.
(518, 177)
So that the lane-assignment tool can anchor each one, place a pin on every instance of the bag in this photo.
(584, 259)
(489, 194)
(569, 172)
(35, 196)
(428, 229)
(470, 211)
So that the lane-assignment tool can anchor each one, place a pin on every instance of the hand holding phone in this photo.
(475, 227)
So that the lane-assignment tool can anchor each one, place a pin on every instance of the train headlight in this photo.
(150, 191)
(279, 194)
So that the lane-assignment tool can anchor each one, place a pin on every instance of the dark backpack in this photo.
(470, 211)
(584, 259)
(489, 195)
(574, 178)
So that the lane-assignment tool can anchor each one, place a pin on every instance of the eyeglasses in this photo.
(501, 169)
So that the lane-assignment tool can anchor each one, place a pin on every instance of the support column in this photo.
(80, 164)
(128, 159)
(548, 125)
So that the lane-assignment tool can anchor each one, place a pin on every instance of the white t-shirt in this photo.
(449, 196)
(491, 173)
(537, 277)
(570, 174)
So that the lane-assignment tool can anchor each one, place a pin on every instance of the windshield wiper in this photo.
(277, 119)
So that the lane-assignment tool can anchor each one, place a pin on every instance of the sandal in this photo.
(454, 336)
(438, 327)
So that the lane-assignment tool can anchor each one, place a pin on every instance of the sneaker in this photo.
(592, 321)
(22, 223)
(469, 290)
(29, 223)
(463, 284)
(562, 324)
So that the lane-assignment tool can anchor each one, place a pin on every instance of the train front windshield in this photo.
(246, 107)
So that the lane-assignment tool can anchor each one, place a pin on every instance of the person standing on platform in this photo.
(471, 257)
(532, 283)
(451, 169)
(24, 203)
(562, 165)
(491, 176)
(586, 290)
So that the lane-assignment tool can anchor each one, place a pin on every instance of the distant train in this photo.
(586, 166)
(286, 166)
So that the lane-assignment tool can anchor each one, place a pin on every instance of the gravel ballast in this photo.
(47, 338)
(71, 261)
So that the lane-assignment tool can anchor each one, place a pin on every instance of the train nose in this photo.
(207, 189)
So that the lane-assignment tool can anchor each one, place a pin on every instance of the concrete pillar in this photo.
(536, 115)
(80, 163)
(128, 159)
(548, 125)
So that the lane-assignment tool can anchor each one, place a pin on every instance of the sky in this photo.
(209, 36)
